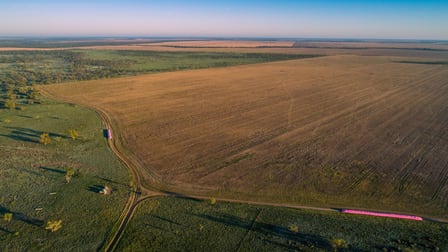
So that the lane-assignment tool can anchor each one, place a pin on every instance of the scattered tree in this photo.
(212, 201)
(45, 138)
(33, 93)
(10, 91)
(54, 226)
(293, 228)
(338, 244)
(22, 90)
(10, 103)
(73, 134)
(7, 217)
(69, 173)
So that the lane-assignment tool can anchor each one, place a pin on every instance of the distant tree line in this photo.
(25, 68)
(44, 67)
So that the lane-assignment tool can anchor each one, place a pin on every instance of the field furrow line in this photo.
(443, 182)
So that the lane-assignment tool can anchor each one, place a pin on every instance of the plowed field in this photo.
(364, 131)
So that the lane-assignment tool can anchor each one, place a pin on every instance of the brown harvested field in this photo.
(338, 131)
(370, 45)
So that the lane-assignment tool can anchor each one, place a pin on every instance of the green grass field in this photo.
(33, 186)
(174, 224)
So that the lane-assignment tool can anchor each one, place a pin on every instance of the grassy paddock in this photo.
(171, 224)
(33, 186)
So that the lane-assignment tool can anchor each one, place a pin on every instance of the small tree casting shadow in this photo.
(28, 135)
(22, 217)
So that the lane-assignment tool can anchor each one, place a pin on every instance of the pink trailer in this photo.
(387, 215)
(109, 134)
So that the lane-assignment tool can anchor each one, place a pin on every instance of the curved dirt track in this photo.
(133, 197)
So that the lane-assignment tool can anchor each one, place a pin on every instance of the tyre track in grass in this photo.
(138, 192)
(133, 197)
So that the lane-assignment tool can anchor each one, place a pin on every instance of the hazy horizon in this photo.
(400, 20)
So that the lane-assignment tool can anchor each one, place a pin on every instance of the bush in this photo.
(45, 138)
(73, 134)
(293, 228)
(338, 244)
(7, 217)
(54, 226)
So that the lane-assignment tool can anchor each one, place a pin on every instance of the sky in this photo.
(378, 19)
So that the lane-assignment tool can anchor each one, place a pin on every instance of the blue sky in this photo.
(263, 18)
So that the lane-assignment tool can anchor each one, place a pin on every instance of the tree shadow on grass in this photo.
(6, 230)
(274, 234)
(153, 227)
(22, 217)
(41, 171)
(111, 181)
(28, 220)
(157, 223)
(43, 168)
(95, 188)
(19, 137)
(179, 195)
(28, 135)
(25, 116)
(30, 171)
(166, 220)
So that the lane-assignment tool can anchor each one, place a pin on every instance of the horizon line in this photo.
(224, 37)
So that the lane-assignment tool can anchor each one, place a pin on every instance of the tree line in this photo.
(45, 67)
